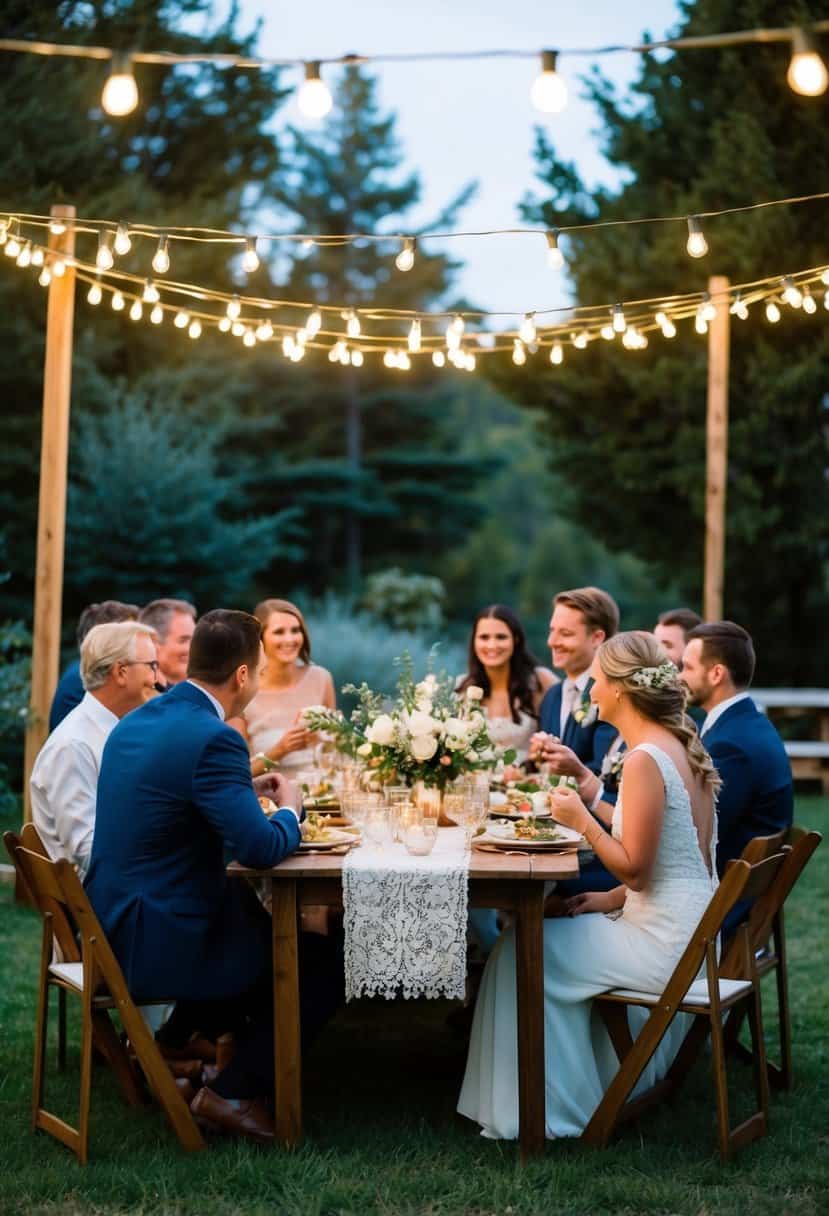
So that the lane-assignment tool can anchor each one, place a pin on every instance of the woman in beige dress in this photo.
(290, 683)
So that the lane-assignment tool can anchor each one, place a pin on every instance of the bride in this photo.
(661, 848)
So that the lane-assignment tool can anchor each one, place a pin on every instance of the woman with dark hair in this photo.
(290, 683)
(511, 677)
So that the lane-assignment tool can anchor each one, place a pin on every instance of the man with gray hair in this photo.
(118, 670)
(173, 622)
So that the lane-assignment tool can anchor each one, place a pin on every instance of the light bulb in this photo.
(4, 231)
(439, 358)
(161, 257)
(527, 331)
(301, 336)
(12, 246)
(700, 323)
(555, 257)
(334, 353)
(618, 320)
(224, 324)
(405, 258)
(249, 338)
(237, 329)
(414, 336)
(181, 320)
(264, 332)
(357, 358)
(194, 329)
(95, 295)
(807, 73)
(549, 92)
(809, 304)
(352, 325)
(120, 95)
(234, 308)
(824, 278)
(104, 259)
(136, 311)
(345, 356)
(24, 258)
(471, 362)
(37, 256)
(772, 312)
(792, 294)
(150, 294)
(739, 308)
(580, 340)
(58, 268)
(557, 353)
(118, 302)
(707, 307)
(519, 354)
(389, 359)
(608, 333)
(404, 362)
(157, 315)
(123, 244)
(57, 227)
(250, 258)
(696, 245)
(826, 300)
(297, 353)
(314, 323)
(45, 277)
(666, 325)
(457, 323)
(314, 97)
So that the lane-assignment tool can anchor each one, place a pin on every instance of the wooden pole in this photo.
(716, 449)
(51, 515)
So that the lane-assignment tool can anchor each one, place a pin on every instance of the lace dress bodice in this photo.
(681, 885)
(506, 734)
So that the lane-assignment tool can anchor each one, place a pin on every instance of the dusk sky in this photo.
(462, 121)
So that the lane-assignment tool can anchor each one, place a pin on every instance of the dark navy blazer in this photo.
(174, 793)
(68, 694)
(757, 795)
(588, 742)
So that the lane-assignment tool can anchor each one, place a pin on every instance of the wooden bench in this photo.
(809, 758)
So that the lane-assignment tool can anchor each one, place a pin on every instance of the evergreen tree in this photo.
(710, 129)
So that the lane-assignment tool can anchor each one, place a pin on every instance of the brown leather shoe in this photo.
(246, 1117)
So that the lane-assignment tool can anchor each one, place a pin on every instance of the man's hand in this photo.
(279, 789)
(539, 742)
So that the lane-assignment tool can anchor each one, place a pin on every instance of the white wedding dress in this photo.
(584, 956)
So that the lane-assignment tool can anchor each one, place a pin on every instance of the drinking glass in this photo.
(375, 820)
(419, 837)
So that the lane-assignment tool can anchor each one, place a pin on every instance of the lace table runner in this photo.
(405, 920)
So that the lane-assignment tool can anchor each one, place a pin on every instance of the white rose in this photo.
(456, 732)
(423, 747)
(474, 693)
(364, 749)
(421, 723)
(424, 704)
(381, 730)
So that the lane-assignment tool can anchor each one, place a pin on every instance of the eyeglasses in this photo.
(151, 663)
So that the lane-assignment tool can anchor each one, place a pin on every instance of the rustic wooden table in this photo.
(506, 881)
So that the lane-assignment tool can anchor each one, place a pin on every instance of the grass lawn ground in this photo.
(382, 1133)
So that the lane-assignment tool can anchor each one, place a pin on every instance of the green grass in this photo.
(382, 1133)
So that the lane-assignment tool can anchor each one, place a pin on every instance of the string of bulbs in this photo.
(807, 73)
(630, 321)
(115, 238)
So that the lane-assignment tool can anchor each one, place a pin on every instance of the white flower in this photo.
(424, 704)
(364, 749)
(381, 730)
(420, 723)
(315, 709)
(423, 747)
(456, 733)
(474, 693)
(487, 754)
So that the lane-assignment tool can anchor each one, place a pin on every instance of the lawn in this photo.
(383, 1136)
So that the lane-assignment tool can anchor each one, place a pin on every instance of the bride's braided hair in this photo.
(663, 700)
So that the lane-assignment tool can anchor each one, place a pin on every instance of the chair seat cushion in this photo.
(697, 994)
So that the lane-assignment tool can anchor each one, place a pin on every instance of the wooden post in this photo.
(51, 515)
(716, 449)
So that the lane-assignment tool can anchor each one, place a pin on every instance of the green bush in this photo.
(411, 602)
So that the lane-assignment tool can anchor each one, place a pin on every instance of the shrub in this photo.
(411, 602)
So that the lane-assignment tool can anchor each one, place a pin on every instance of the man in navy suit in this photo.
(757, 795)
(174, 794)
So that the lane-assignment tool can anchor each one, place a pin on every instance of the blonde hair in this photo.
(621, 658)
(106, 645)
(264, 610)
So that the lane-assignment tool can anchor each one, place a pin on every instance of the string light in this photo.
(700, 321)
(237, 329)
(104, 258)
(120, 95)
(696, 245)
(37, 256)
(13, 246)
(772, 312)
(157, 315)
(249, 338)
(45, 277)
(791, 294)
(118, 302)
(405, 258)
(608, 333)
(314, 323)
(194, 329)
(555, 258)
(549, 92)
(707, 308)
(224, 324)
(182, 319)
(24, 258)
(414, 337)
(527, 332)
(57, 227)
(826, 301)
(4, 231)
(123, 244)
(58, 268)
(580, 340)
(264, 332)
(519, 354)
(250, 258)
(357, 358)
(618, 320)
(234, 308)
(352, 324)
(314, 97)
(95, 294)
(665, 324)
(161, 257)
(150, 294)
(136, 311)
(809, 302)
(556, 353)
(439, 358)
(807, 73)
(739, 308)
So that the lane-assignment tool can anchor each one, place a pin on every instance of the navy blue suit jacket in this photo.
(757, 795)
(68, 694)
(174, 792)
(588, 742)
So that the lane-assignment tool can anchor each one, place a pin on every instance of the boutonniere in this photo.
(611, 769)
(585, 713)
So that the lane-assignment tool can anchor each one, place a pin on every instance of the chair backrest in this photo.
(761, 847)
(44, 896)
(801, 844)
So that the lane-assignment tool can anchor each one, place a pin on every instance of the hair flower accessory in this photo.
(662, 676)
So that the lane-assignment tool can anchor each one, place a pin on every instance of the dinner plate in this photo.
(325, 807)
(503, 812)
(335, 839)
(567, 838)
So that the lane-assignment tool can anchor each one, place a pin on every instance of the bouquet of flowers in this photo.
(429, 733)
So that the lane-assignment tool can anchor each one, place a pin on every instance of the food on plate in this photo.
(314, 831)
(531, 829)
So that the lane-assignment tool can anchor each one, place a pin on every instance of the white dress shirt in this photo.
(719, 710)
(571, 694)
(64, 782)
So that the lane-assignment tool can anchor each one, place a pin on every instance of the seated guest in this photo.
(70, 690)
(173, 622)
(272, 722)
(672, 631)
(175, 792)
(511, 677)
(757, 795)
(118, 672)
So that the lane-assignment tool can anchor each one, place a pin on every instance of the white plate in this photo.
(503, 835)
(335, 838)
(503, 812)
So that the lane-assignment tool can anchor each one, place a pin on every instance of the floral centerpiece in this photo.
(429, 733)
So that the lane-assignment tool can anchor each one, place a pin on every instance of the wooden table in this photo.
(809, 758)
(508, 882)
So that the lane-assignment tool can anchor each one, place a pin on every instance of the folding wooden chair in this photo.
(93, 975)
(707, 1000)
(768, 942)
